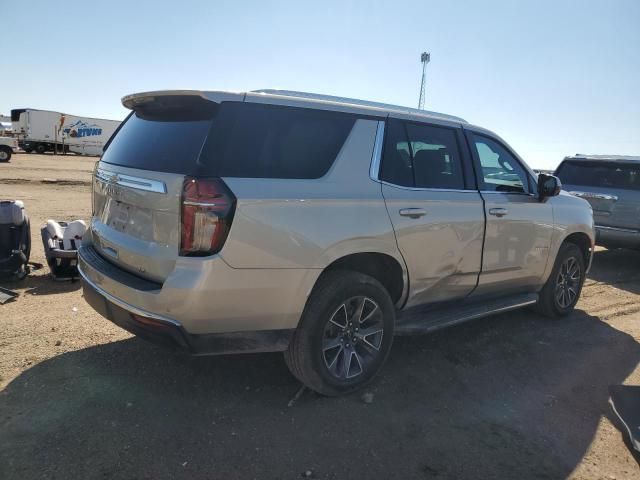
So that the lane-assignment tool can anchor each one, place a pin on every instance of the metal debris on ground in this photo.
(6, 295)
(625, 401)
(367, 397)
(296, 396)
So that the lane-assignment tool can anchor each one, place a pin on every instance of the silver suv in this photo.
(611, 184)
(321, 227)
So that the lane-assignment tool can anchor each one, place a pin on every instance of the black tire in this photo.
(309, 357)
(561, 282)
(5, 154)
(40, 148)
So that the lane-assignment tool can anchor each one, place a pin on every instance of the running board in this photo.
(422, 320)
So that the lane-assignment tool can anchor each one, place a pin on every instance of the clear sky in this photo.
(551, 77)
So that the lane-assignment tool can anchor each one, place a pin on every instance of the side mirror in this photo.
(548, 186)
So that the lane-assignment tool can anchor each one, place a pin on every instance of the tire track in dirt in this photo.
(44, 181)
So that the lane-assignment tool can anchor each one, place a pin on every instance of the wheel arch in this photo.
(388, 270)
(583, 242)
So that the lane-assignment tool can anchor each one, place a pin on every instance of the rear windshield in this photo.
(232, 139)
(601, 174)
(166, 141)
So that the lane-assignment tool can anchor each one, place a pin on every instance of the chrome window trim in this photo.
(376, 157)
(507, 193)
(428, 189)
(130, 181)
(455, 190)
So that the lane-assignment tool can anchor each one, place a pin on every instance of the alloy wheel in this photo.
(352, 338)
(568, 282)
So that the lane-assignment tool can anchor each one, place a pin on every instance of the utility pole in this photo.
(424, 58)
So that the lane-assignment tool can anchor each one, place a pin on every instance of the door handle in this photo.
(413, 212)
(498, 212)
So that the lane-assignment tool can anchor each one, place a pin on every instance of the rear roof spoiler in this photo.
(131, 101)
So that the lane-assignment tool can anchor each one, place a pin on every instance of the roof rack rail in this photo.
(362, 103)
(583, 156)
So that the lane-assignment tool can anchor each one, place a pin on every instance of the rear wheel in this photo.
(345, 334)
(40, 148)
(5, 154)
(560, 294)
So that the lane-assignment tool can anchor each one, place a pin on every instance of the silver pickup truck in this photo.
(611, 184)
(319, 226)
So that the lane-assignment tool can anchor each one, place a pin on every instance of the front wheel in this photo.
(345, 334)
(560, 294)
(5, 154)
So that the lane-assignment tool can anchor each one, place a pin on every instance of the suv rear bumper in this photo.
(158, 330)
(219, 319)
(169, 333)
(617, 237)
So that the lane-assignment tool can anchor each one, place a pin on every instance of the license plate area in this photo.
(129, 219)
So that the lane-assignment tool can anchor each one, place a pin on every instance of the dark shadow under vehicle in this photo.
(41, 284)
(513, 396)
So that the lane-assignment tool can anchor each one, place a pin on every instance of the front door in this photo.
(519, 226)
(436, 214)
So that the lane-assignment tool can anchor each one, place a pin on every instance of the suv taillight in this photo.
(207, 211)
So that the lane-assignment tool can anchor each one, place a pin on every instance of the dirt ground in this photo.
(511, 396)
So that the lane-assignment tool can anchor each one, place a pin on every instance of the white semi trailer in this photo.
(46, 131)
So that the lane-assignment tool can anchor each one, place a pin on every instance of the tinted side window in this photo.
(600, 174)
(501, 172)
(421, 156)
(436, 157)
(265, 141)
(396, 165)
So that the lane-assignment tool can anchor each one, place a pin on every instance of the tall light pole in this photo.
(424, 58)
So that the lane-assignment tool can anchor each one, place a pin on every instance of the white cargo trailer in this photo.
(46, 131)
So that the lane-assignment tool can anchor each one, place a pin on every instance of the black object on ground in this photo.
(15, 240)
(6, 295)
(625, 401)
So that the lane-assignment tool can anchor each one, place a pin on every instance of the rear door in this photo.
(435, 209)
(519, 227)
(139, 180)
(612, 189)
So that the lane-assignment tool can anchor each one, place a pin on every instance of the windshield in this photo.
(600, 174)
